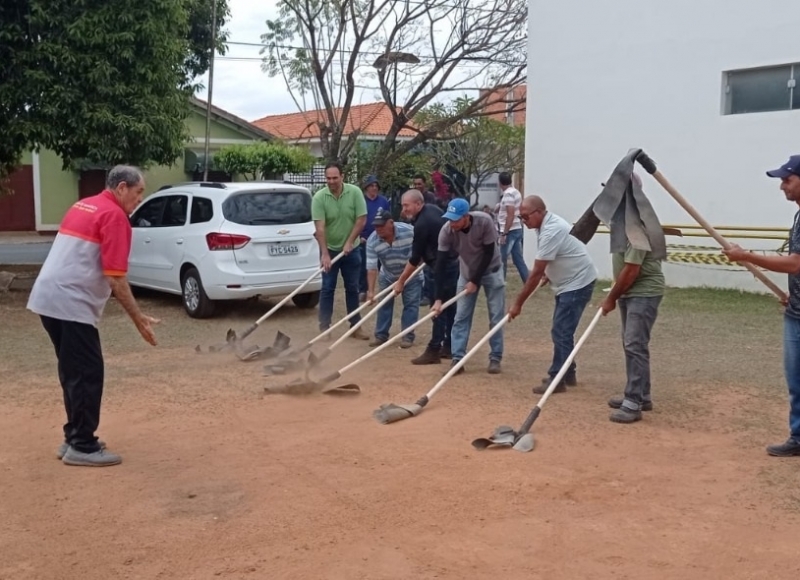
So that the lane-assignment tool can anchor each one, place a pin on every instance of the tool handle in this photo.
(364, 318)
(398, 336)
(526, 426)
(649, 165)
(275, 308)
(454, 369)
(364, 306)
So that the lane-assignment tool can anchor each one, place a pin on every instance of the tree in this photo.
(325, 49)
(104, 81)
(263, 160)
(476, 147)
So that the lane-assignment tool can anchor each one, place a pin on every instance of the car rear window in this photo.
(268, 207)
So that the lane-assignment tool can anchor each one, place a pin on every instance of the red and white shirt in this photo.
(93, 241)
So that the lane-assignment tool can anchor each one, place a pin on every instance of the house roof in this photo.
(373, 119)
(245, 126)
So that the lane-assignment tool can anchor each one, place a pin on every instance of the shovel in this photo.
(327, 331)
(306, 383)
(650, 166)
(235, 340)
(391, 413)
(522, 440)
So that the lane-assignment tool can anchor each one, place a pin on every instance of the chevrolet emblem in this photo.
(283, 232)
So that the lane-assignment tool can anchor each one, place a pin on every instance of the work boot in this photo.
(494, 367)
(625, 415)
(62, 449)
(406, 343)
(429, 357)
(616, 403)
(445, 352)
(560, 388)
(101, 458)
(569, 380)
(461, 369)
(789, 449)
(375, 341)
(359, 335)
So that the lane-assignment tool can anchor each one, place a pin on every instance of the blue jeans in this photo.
(566, 316)
(411, 294)
(791, 366)
(494, 286)
(441, 334)
(638, 314)
(513, 245)
(350, 267)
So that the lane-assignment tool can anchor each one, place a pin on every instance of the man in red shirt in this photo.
(86, 264)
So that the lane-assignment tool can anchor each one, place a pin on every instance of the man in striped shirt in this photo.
(390, 244)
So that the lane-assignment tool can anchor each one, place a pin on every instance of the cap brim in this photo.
(451, 216)
(780, 173)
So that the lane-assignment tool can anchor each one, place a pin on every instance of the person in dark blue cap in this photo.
(789, 174)
(375, 202)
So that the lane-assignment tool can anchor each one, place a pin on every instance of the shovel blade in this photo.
(348, 389)
(503, 436)
(281, 342)
(525, 443)
(391, 413)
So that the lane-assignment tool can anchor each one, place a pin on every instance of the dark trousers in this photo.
(638, 315)
(81, 373)
(443, 324)
(566, 316)
(350, 267)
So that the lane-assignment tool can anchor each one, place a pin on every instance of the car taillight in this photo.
(226, 241)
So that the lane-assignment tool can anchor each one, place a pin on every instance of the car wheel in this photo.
(195, 301)
(309, 300)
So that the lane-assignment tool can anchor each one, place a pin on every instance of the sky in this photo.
(240, 87)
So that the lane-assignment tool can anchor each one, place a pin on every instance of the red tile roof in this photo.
(374, 119)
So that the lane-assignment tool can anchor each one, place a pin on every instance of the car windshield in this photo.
(268, 207)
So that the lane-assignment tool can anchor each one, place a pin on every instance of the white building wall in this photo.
(610, 75)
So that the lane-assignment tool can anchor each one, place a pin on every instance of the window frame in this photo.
(793, 90)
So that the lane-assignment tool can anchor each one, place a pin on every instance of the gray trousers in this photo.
(638, 316)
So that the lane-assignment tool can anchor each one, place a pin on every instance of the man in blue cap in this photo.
(473, 236)
(789, 174)
(375, 202)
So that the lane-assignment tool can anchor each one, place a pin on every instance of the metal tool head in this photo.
(348, 389)
(525, 443)
(391, 413)
(281, 342)
(503, 436)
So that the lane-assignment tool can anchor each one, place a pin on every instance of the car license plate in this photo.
(283, 249)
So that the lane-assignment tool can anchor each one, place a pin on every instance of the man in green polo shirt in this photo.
(339, 212)
(638, 288)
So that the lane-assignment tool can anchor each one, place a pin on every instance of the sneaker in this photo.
(494, 367)
(569, 380)
(561, 388)
(789, 449)
(461, 369)
(406, 343)
(616, 403)
(62, 449)
(100, 458)
(625, 415)
(359, 335)
(446, 353)
(429, 357)
(375, 341)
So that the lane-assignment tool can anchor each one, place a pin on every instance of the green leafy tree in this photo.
(476, 147)
(263, 160)
(104, 81)
(325, 51)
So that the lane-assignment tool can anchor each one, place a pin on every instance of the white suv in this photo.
(225, 241)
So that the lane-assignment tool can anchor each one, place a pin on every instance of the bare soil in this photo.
(220, 480)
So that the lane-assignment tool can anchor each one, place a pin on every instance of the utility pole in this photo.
(210, 85)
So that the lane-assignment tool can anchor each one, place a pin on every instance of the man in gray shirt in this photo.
(472, 235)
(564, 262)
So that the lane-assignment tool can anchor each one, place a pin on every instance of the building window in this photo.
(760, 90)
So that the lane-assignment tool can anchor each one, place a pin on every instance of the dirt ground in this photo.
(220, 480)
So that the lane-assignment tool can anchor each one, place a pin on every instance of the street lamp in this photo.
(393, 58)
